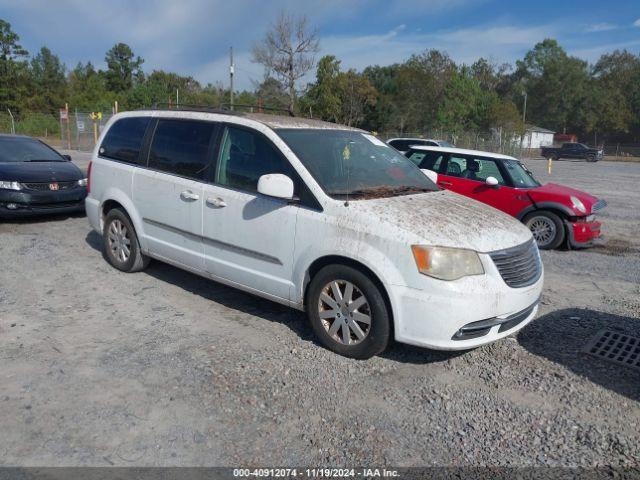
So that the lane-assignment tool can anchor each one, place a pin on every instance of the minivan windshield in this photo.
(521, 177)
(24, 149)
(355, 164)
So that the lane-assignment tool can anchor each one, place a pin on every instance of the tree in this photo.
(356, 93)
(272, 94)
(123, 68)
(557, 86)
(339, 96)
(48, 80)
(13, 68)
(288, 51)
(323, 95)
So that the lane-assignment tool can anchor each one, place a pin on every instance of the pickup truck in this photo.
(572, 150)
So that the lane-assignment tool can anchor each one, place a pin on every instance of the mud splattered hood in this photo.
(441, 218)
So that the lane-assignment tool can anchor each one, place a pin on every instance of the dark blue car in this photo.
(35, 179)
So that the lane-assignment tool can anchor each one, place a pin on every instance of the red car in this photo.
(555, 214)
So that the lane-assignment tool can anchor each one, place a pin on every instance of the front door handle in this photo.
(216, 202)
(189, 195)
(448, 184)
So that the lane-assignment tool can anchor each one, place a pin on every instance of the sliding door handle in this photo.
(189, 195)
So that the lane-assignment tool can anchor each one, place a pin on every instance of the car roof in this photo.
(462, 151)
(271, 121)
(413, 139)
(15, 135)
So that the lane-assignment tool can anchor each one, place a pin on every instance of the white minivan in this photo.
(318, 216)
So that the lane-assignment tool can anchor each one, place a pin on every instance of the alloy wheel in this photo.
(119, 240)
(543, 230)
(344, 312)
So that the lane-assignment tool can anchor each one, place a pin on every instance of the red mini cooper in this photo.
(555, 214)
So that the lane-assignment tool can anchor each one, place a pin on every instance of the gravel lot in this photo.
(166, 368)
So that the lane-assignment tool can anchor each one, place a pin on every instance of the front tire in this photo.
(591, 158)
(120, 243)
(547, 229)
(348, 312)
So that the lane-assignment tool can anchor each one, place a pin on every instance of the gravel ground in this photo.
(166, 368)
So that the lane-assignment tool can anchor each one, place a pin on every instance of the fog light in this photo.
(12, 206)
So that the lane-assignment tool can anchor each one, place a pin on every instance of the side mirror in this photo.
(67, 157)
(276, 185)
(492, 182)
(433, 176)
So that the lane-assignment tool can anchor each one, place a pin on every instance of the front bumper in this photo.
(582, 233)
(433, 315)
(20, 203)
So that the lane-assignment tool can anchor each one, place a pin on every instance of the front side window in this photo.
(181, 147)
(124, 139)
(355, 164)
(245, 156)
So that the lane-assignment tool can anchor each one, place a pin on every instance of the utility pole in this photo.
(524, 119)
(231, 68)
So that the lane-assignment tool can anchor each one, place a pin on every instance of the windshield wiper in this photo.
(41, 160)
(382, 191)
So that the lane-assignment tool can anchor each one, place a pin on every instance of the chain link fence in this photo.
(81, 129)
(79, 132)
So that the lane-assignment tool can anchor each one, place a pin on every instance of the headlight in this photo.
(446, 263)
(10, 185)
(82, 182)
(578, 205)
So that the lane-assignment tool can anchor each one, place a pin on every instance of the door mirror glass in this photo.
(67, 157)
(491, 181)
(276, 185)
(433, 176)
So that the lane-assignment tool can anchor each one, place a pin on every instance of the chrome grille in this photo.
(599, 205)
(42, 186)
(519, 266)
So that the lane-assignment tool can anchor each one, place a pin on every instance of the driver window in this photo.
(245, 156)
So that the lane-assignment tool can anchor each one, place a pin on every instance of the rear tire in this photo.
(120, 243)
(348, 312)
(547, 229)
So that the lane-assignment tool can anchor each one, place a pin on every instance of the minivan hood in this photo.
(39, 171)
(444, 219)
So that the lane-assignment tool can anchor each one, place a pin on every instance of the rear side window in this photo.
(124, 139)
(182, 147)
(428, 160)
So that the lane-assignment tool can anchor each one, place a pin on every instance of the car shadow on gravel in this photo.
(274, 312)
(562, 335)
(44, 218)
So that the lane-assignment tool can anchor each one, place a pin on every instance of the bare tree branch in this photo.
(288, 51)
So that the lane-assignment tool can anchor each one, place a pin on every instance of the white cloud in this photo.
(636, 23)
(601, 27)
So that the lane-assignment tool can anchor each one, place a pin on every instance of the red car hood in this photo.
(552, 192)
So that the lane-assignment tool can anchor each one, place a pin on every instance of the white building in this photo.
(536, 137)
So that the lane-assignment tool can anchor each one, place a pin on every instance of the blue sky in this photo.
(192, 37)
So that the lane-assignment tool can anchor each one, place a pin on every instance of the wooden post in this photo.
(66, 107)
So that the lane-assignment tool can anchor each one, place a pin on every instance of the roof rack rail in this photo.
(191, 108)
(259, 108)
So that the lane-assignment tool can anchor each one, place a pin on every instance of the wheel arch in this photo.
(325, 260)
(559, 209)
(117, 199)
